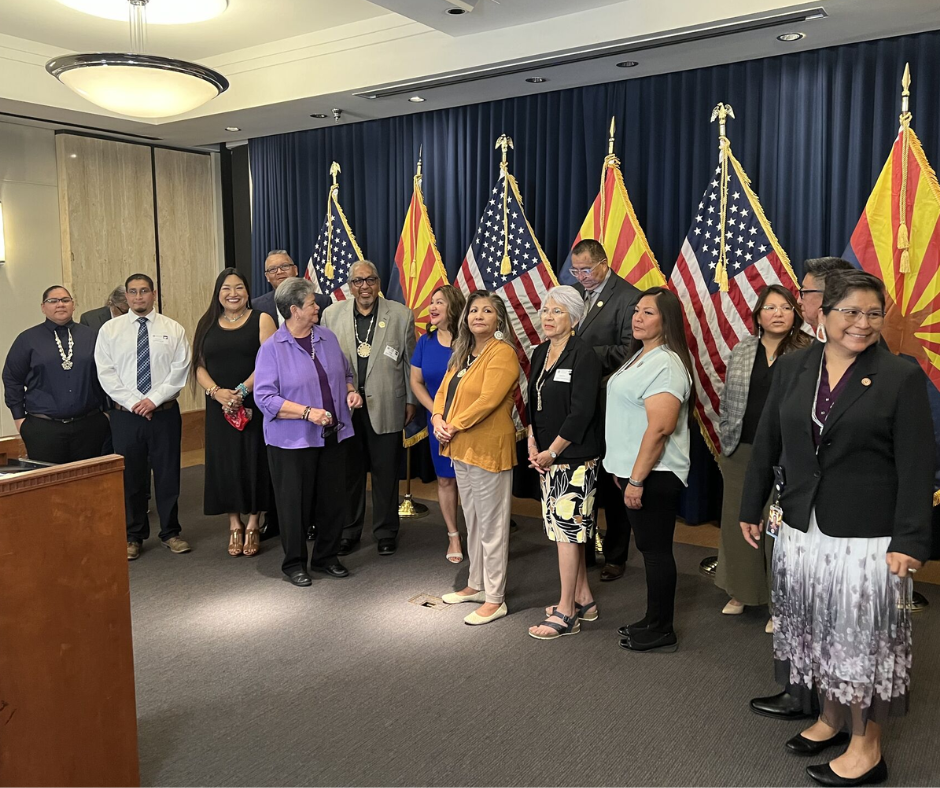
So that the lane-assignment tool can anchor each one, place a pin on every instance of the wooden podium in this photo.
(67, 707)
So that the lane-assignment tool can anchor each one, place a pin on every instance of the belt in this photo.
(64, 421)
(165, 406)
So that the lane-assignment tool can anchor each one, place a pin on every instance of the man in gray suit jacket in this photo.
(378, 338)
(115, 307)
(608, 327)
(279, 266)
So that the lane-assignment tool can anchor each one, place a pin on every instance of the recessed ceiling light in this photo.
(456, 11)
(318, 115)
(233, 128)
(536, 80)
(627, 64)
(791, 36)
(416, 99)
(165, 12)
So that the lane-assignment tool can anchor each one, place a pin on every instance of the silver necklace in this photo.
(235, 319)
(66, 359)
(463, 370)
(363, 348)
(539, 383)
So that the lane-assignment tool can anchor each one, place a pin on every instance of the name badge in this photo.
(391, 353)
(160, 339)
(562, 375)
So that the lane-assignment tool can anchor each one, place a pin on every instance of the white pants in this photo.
(486, 499)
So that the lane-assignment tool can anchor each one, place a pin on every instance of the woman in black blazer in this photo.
(564, 447)
(850, 426)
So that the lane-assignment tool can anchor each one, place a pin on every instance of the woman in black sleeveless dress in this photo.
(227, 340)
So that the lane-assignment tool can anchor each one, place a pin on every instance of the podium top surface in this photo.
(13, 483)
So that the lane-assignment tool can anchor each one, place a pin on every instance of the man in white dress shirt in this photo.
(143, 363)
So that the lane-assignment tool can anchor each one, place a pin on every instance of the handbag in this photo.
(240, 418)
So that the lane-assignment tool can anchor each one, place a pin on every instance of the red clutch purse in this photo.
(240, 418)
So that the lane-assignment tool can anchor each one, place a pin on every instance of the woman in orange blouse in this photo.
(472, 419)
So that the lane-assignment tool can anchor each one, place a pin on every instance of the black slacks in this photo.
(381, 455)
(653, 528)
(310, 483)
(145, 444)
(53, 441)
(617, 536)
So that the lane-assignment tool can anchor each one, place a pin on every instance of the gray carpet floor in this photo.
(243, 679)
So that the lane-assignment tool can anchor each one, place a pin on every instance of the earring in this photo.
(821, 332)
(499, 336)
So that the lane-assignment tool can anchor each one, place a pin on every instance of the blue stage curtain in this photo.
(813, 130)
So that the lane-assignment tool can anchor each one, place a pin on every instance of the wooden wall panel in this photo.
(187, 232)
(106, 215)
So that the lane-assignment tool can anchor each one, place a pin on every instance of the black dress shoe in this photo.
(629, 629)
(824, 775)
(299, 578)
(346, 546)
(333, 570)
(387, 546)
(803, 746)
(644, 640)
(782, 706)
(612, 572)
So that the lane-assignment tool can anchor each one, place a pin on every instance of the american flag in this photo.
(334, 252)
(717, 319)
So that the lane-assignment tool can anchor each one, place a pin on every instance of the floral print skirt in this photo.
(568, 502)
(842, 626)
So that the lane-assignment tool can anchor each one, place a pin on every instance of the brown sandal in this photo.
(252, 542)
(235, 543)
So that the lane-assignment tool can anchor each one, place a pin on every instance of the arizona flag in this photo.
(613, 222)
(898, 240)
(420, 270)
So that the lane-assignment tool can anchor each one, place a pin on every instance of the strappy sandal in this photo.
(252, 542)
(571, 626)
(458, 556)
(581, 611)
(235, 543)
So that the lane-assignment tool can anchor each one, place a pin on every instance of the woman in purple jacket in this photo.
(302, 375)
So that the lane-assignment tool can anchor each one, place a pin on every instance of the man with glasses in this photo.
(115, 306)
(143, 363)
(279, 266)
(378, 338)
(815, 272)
(51, 385)
(609, 303)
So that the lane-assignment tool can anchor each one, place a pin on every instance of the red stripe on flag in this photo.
(521, 311)
(710, 345)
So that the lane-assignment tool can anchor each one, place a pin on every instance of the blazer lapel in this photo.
(599, 304)
(378, 338)
(805, 388)
(863, 378)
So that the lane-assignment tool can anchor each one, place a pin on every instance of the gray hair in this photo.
(375, 271)
(569, 298)
(117, 296)
(277, 251)
(292, 292)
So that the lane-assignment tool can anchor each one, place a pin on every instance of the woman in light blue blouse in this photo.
(647, 431)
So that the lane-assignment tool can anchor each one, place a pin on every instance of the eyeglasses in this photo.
(805, 291)
(331, 429)
(554, 311)
(281, 267)
(360, 281)
(578, 273)
(54, 301)
(143, 291)
(875, 317)
(768, 308)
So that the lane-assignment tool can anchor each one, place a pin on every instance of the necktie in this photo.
(143, 356)
(588, 298)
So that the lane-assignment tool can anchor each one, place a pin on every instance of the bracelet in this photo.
(306, 413)
(634, 483)
(242, 389)
(211, 392)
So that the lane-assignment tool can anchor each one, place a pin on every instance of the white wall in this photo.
(29, 193)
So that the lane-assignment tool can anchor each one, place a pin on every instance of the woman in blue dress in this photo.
(428, 365)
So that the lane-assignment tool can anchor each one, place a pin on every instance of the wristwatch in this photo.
(634, 483)
(552, 454)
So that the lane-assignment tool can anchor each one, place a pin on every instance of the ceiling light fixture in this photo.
(163, 12)
(233, 128)
(456, 11)
(319, 115)
(416, 99)
(627, 64)
(791, 36)
(135, 84)
(536, 80)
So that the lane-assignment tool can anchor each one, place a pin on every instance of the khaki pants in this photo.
(486, 499)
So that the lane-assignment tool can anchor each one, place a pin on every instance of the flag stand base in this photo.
(708, 566)
(410, 508)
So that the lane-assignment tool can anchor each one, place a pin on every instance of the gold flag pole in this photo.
(505, 142)
(409, 507)
(904, 237)
(721, 113)
(334, 189)
(610, 160)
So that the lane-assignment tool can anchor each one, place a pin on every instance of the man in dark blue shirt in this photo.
(51, 385)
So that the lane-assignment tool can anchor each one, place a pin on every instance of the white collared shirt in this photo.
(116, 358)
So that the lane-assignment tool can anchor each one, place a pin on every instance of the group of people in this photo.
(827, 498)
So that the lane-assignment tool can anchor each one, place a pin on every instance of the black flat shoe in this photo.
(824, 775)
(346, 546)
(387, 546)
(629, 629)
(666, 643)
(782, 706)
(333, 570)
(803, 746)
(299, 578)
